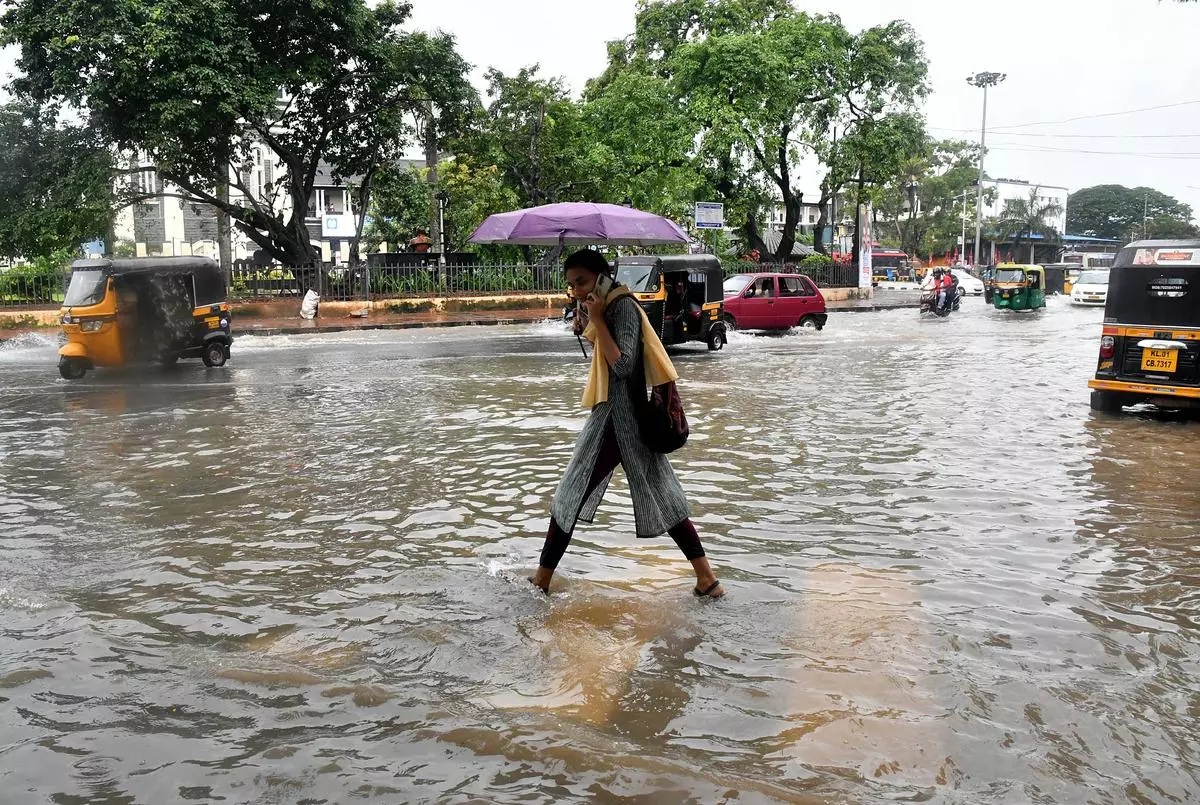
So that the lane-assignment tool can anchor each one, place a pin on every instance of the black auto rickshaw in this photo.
(1150, 342)
(144, 310)
(681, 294)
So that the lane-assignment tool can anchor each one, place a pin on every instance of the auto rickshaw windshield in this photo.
(87, 288)
(1009, 275)
(639, 279)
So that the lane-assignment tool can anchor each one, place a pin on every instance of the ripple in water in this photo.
(302, 578)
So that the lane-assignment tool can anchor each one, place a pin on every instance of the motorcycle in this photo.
(929, 304)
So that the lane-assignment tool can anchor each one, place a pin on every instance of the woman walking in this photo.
(622, 343)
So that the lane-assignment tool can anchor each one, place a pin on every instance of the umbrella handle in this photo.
(581, 347)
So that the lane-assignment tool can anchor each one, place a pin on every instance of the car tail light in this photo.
(1107, 347)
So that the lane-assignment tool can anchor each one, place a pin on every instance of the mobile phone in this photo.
(604, 284)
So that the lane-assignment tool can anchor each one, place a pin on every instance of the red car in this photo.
(773, 302)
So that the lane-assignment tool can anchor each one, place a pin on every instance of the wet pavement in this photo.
(300, 578)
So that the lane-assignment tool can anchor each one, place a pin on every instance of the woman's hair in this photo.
(589, 260)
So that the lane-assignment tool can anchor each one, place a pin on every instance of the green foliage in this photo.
(939, 179)
(816, 261)
(196, 84)
(56, 183)
(1022, 218)
(720, 99)
(400, 208)
(1124, 213)
(43, 280)
(536, 135)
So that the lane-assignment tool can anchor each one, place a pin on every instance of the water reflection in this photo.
(301, 578)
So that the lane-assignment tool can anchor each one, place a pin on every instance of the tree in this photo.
(56, 184)
(1021, 219)
(1114, 211)
(197, 84)
(758, 87)
(399, 208)
(535, 134)
(922, 206)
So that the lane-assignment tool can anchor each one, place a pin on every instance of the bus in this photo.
(890, 265)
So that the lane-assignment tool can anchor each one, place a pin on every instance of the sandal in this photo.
(706, 593)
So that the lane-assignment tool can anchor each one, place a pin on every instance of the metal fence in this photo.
(825, 275)
(21, 287)
(396, 282)
(25, 287)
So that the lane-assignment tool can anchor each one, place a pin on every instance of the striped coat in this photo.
(658, 499)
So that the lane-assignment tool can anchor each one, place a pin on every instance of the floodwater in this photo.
(300, 578)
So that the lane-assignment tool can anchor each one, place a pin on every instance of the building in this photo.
(166, 225)
(170, 226)
(1009, 190)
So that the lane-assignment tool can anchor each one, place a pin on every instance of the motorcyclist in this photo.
(952, 291)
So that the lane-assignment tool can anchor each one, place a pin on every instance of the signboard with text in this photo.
(710, 215)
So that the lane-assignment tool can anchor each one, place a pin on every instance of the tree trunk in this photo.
(753, 238)
(823, 220)
(791, 219)
(224, 239)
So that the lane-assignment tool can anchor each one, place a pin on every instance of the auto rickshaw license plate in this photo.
(1159, 360)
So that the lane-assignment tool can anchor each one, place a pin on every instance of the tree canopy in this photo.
(752, 88)
(195, 84)
(1124, 213)
(56, 184)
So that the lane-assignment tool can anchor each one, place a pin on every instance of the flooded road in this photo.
(301, 578)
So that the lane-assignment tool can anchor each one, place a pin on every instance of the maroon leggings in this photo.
(557, 540)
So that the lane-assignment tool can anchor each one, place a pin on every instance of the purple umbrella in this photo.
(578, 223)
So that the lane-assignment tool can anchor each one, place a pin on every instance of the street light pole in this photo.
(982, 80)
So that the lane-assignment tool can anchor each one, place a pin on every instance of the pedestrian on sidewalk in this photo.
(622, 339)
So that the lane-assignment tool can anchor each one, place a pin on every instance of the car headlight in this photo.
(90, 326)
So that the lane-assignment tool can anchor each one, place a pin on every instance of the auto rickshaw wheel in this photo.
(214, 354)
(72, 368)
(716, 337)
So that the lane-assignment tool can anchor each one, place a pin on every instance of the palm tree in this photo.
(1022, 219)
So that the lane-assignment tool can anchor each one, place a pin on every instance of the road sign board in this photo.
(710, 215)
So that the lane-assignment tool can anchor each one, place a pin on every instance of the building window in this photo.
(146, 183)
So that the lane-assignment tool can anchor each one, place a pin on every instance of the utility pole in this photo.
(982, 80)
(431, 179)
(1145, 212)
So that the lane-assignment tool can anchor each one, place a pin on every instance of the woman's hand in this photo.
(593, 306)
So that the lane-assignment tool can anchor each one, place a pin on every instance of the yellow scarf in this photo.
(659, 368)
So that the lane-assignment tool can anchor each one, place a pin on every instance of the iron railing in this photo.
(825, 275)
(24, 288)
(397, 282)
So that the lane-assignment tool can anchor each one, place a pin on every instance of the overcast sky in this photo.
(1064, 59)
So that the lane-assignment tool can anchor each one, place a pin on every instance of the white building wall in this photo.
(1007, 190)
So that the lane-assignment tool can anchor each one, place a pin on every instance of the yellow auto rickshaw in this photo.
(141, 310)
(682, 295)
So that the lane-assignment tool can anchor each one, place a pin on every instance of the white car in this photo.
(1091, 288)
(968, 285)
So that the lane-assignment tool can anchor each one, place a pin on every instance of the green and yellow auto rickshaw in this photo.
(1018, 287)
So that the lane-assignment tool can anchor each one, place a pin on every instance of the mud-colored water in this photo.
(300, 578)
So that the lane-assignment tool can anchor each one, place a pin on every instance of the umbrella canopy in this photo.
(578, 223)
